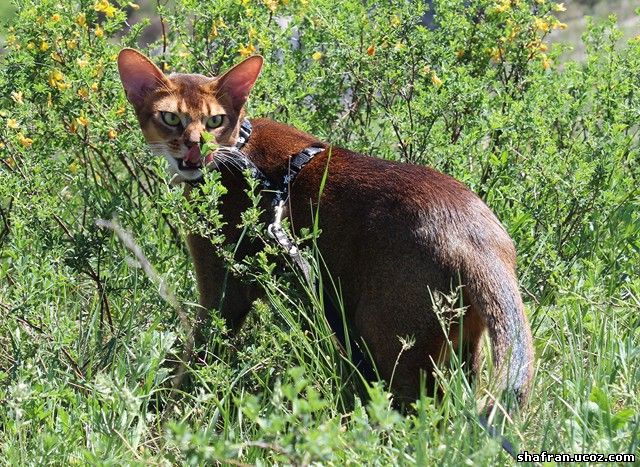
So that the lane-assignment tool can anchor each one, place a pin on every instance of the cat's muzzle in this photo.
(185, 165)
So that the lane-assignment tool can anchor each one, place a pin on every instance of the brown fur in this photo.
(394, 235)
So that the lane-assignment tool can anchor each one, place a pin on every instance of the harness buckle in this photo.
(275, 226)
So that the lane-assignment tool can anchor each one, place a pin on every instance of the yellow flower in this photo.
(73, 127)
(502, 6)
(71, 44)
(74, 167)
(83, 92)
(81, 20)
(56, 80)
(166, 66)
(24, 141)
(543, 47)
(99, 32)
(435, 80)
(82, 120)
(247, 50)
(541, 25)
(113, 134)
(31, 45)
(513, 33)
(371, 50)
(496, 54)
(82, 62)
(105, 7)
(134, 6)
(94, 87)
(99, 69)
(16, 96)
(44, 46)
(395, 21)
(55, 17)
(560, 25)
(317, 55)
(121, 110)
(219, 23)
(271, 4)
(546, 62)
(55, 56)
(13, 124)
(558, 7)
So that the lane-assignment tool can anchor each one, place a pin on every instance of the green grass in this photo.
(87, 340)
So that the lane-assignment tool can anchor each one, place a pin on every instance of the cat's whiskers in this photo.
(221, 160)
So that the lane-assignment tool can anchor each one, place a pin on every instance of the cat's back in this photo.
(371, 198)
(369, 193)
(395, 188)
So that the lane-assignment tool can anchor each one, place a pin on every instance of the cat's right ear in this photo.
(139, 75)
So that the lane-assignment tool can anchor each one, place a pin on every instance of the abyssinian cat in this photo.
(394, 235)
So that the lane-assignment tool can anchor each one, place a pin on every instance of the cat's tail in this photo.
(494, 294)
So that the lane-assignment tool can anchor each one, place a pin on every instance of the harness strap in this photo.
(296, 163)
(275, 230)
(245, 133)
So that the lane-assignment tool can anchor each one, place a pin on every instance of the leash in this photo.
(275, 230)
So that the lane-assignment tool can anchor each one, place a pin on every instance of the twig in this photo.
(104, 302)
(165, 293)
(63, 349)
(164, 36)
(6, 222)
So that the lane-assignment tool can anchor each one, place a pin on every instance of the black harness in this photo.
(275, 230)
(281, 188)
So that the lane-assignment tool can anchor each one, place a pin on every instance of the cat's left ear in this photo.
(239, 80)
(138, 75)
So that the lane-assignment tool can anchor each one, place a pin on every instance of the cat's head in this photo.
(174, 110)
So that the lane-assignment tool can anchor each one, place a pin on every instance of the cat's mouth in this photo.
(193, 159)
(184, 164)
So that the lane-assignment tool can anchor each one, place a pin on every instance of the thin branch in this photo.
(165, 293)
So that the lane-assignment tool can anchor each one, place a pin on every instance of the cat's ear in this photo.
(138, 75)
(238, 81)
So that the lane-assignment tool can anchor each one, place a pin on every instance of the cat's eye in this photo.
(170, 118)
(214, 122)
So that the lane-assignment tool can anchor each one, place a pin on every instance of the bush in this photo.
(482, 95)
